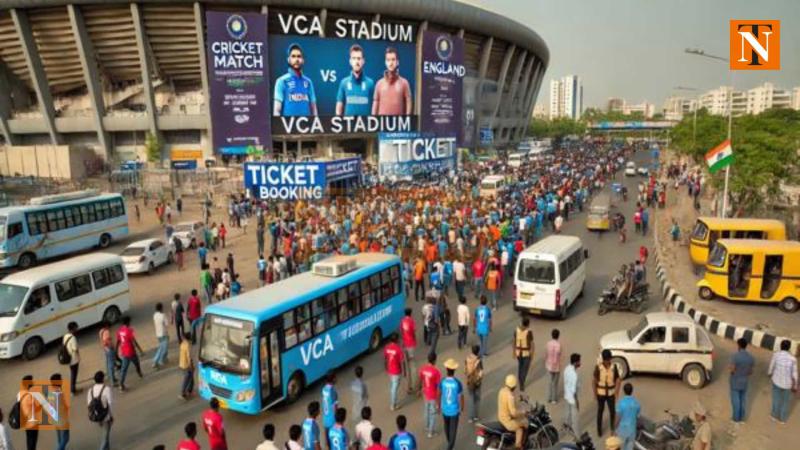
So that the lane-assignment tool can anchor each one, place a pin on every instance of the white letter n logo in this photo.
(757, 49)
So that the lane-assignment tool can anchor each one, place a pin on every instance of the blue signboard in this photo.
(487, 136)
(342, 169)
(189, 164)
(410, 156)
(286, 181)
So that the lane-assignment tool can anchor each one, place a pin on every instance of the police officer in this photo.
(523, 350)
(606, 384)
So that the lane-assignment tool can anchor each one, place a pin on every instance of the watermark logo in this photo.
(755, 45)
(44, 405)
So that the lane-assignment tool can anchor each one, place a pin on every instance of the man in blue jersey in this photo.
(452, 402)
(311, 429)
(337, 436)
(294, 92)
(355, 91)
(402, 440)
(483, 325)
(330, 403)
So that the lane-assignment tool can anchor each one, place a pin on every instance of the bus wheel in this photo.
(26, 260)
(705, 293)
(105, 240)
(111, 315)
(789, 305)
(375, 340)
(295, 387)
(33, 348)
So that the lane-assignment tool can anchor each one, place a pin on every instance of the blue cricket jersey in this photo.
(296, 94)
(451, 390)
(403, 440)
(339, 439)
(483, 316)
(329, 400)
(356, 94)
(310, 434)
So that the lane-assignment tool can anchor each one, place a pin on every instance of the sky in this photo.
(634, 49)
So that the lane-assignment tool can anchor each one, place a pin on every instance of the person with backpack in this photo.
(5, 439)
(473, 369)
(99, 400)
(69, 355)
(25, 409)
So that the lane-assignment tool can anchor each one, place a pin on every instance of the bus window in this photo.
(68, 216)
(366, 297)
(386, 285)
(740, 271)
(303, 318)
(375, 284)
(76, 215)
(38, 299)
(14, 229)
(290, 332)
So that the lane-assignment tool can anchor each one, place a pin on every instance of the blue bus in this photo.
(265, 346)
(56, 225)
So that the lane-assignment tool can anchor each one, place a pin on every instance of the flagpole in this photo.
(724, 211)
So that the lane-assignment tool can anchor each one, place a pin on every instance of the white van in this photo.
(517, 159)
(550, 275)
(37, 304)
(493, 185)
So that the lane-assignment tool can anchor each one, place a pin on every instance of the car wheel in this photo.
(151, 268)
(105, 240)
(375, 340)
(111, 315)
(26, 261)
(33, 348)
(694, 376)
(705, 293)
(294, 389)
(789, 305)
(622, 366)
(562, 314)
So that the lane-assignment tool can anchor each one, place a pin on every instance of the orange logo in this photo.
(755, 44)
(44, 405)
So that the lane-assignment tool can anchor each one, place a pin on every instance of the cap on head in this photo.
(511, 381)
(613, 443)
(699, 409)
(451, 364)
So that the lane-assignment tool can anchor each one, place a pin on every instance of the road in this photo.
(151, 412)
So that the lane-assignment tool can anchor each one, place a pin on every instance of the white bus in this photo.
(37, 304)
(550, 275)
(493, 185)
(60, 224)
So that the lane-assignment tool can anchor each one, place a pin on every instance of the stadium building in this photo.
(210, 78)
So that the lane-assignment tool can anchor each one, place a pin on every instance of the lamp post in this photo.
(700, 52)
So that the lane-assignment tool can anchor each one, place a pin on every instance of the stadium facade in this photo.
(103, 75)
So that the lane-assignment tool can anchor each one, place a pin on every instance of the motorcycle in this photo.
(635, 301)
(582, 443)
(541, 434)
(674, 433)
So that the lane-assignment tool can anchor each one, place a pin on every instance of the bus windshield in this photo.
(537, 271)
(11, 297)
(226, 344)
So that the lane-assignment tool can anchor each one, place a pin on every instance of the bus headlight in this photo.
(8, 337)
(245, 395)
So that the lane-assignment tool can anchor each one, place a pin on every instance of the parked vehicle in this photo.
(754, 271)
(665, 343)
(707, 230)
(37, 304)
(674, 433)
(643, 171)
(146, 255)
(493, 186)
(599, 211)
(634, 299)
(630, 169)
(541, 433)
(584, 442)
(188, 232)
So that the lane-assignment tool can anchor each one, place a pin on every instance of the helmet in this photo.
(511, 381)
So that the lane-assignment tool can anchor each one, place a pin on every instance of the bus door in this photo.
(270, 361)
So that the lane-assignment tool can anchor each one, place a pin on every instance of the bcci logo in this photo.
(755, 44)
(237, 26)
(444, 47)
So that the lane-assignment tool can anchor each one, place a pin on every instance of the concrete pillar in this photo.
(5, 105)
(199, 24)
(512, 91)
(90, 75)
(482, 68)
(36, 69)
(529, 101)
(528, 77)
(323, 20)
(146, 66)
(418, 94)
(501, 81)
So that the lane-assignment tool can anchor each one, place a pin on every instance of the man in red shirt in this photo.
(194, 311)
(395, 367)
(477, 276)
(429, 379)
(126, 349)
(189, 443)
(212, 423)
(408, 331)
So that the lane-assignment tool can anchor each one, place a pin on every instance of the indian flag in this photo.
(719, 157)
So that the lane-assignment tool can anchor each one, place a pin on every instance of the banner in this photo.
(285, 181)
(342, 169)
(361, 79)
(408, 156)
(442, 84)
(237, 76)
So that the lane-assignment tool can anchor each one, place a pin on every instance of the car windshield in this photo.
(537, 271)
(3, 222)
(226, 344)
(700, 230)
(633, 332)
(717, 255)
(11, 297)
(133, 251)
(183, 227)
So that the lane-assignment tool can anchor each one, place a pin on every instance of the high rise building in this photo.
(764, 97)
(566, 97)
(676, 107)
(752, 101)
(615, 104)
(796, 98)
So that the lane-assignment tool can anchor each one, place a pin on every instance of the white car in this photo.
(188, 232)
(630, 168)
(643, 171)
(146, 255)
(664, 343)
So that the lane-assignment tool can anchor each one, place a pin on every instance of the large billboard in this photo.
(285, 181)
(442, 84)
(357, 79)
(409, 156)
(237, 77)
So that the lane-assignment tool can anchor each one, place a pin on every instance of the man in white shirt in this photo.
(462, 312)
(5, 439)
(71, 343)
(295, 432)
(571, 388)
(363, 434)
(103, 392)
(160, 324)
(460, 276)
(269, 438)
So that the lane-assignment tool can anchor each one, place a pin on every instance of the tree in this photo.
(152, 145)
(556, 129)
